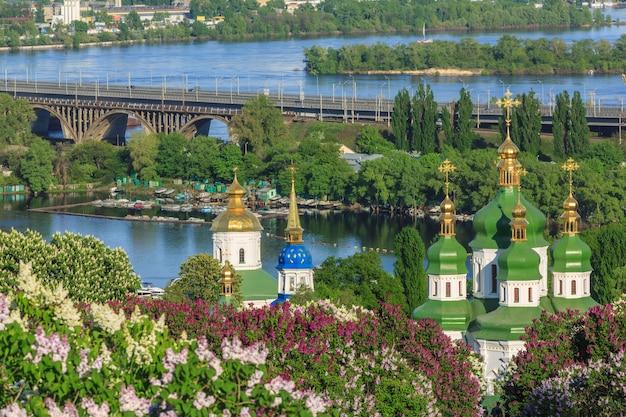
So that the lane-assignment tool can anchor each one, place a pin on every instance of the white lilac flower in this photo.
(107, 319)
(234, 350)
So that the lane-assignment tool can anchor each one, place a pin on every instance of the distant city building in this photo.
(70, 11)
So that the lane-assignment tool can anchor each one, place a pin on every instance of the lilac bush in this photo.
(55, 364)
(368, 363)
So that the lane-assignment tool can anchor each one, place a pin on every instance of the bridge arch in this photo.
(41, 125)
(111, 125)
(200, 125)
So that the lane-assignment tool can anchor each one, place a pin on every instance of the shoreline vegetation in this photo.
(510, 55)
(250, 21)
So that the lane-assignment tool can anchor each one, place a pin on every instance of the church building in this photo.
(509, 266)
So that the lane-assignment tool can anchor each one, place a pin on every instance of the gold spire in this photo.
(226, 280)
(519, 222)
(235, 193)
(508, 164)
(236, 218)
(293, 230)
(570, 216)
(447, 217)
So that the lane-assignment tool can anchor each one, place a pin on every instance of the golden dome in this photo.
(447, 206)
(236, 218)
(508, 150)
(570, 204)
(519, 211)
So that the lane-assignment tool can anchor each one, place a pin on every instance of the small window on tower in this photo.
(573, 287)
(448, 289)
(242, 256)
(516, 295)
(494, 278)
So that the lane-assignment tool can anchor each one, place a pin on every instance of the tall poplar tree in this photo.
(463, 122)
(409, 266)
(401, 119)
(579, 130)
(525, 123)
(560, 124)
(423, 127)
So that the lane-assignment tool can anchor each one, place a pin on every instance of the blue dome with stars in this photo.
(294, 256)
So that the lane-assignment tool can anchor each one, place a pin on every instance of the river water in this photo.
(157, 250)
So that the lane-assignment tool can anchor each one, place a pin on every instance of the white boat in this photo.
(148, 290)
(424, 40)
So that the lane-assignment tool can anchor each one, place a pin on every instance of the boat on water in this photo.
(148, 290)
(424, 39)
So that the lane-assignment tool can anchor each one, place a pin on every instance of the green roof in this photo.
(446, 257)
(451, 315)
(258, 284)
(571, 254)
(492, 227)
(507, 323)
(561, 304)
(519, 262)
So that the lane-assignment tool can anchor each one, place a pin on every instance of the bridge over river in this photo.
(101, 111)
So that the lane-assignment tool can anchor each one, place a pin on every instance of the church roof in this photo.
(446, 257)
(519, 262)
(294, 256)
(571, 254)
(451, 315)
(507, 323)
(236, 217)
(492, 222)
(257, 284)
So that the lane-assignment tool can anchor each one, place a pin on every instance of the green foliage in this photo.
(423, 127)
(608, 248)
(361, 275)
(409, 266)
(56, 362)
(260, 125)
(525, 124)
(463, 126)
(370, 141)
(199, 279)
(89, 270)
(15, 119)
(37, 164)
(144, 150)
(569, 126)
(173, 156)
(401, 119)
(203, 151)
(94, 160)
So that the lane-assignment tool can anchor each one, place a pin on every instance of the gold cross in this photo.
(508, 104)
(570, 165)
(446, 167)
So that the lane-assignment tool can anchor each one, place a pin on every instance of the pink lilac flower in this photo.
(93, 409)
(4, 311)
(236, 351)
(68, 411)
(203, 401)
(13, 410)
(57, 347)
(130, 402)
(279, 384)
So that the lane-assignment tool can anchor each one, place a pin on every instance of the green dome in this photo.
(446, 257)
(571, 254)
(519, 262)
(505, 323)
(492, 222)
(451, 315)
